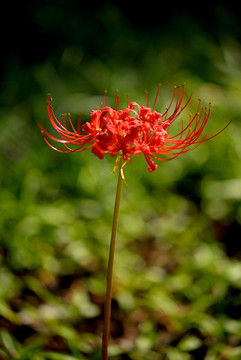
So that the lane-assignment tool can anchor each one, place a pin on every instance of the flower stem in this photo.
(107, 313)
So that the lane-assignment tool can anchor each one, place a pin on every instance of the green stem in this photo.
(107, 313)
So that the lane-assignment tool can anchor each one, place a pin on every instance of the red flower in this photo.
(134, 130)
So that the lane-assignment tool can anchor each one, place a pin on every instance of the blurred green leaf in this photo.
(58, 356)
(189, 343)
(9, 344)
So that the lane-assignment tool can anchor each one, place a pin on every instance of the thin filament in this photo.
(157, 94)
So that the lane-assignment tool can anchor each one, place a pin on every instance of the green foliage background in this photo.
(177, 280)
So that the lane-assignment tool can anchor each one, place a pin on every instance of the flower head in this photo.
(134, 130)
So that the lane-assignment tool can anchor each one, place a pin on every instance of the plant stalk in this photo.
(107, 310)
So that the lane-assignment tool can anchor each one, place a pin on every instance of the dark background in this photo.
(35, 31)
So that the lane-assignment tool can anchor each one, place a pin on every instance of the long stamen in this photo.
(70, 121)
(157, 94)
(183, 91)
(190, 121)
(116, 100)
(105, 97)
(168, 108)
(211, 137)
(146, 93)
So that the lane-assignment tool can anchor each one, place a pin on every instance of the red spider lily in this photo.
(134, 130)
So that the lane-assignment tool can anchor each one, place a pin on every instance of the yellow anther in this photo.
(122, 173)
(119, 157)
